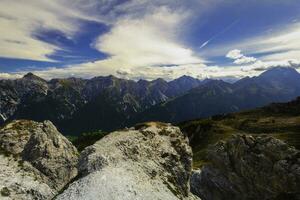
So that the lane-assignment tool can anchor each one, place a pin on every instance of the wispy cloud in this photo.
(148, 41)
(21, 20)
(280, 44)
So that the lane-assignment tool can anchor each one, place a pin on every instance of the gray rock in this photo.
(36, 161)
(150, 162)
(246, 167)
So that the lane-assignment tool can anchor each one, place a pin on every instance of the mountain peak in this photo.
(280, 72)
(159, 80)
(185, 77)
(32, 76)
(186, 80)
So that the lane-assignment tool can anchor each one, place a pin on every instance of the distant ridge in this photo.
(77, 105)
(103, 102)
(279, 84)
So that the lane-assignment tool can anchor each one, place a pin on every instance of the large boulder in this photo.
(36, 161)
(149, 162)
(246, 167)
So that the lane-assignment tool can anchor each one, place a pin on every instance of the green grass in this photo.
(86, 139)
(206, 132)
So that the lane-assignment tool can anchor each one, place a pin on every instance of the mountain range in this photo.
(99, 103)
(78, 105)
(219, 97)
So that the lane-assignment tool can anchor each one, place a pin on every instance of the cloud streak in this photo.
(227, 28)
(277, 45)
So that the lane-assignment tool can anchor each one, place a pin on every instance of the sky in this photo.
(148, 39)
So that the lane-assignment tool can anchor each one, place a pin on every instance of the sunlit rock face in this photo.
(36, 161)
(246, 167)
(151, 161)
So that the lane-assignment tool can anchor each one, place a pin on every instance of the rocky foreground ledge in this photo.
(150, 161)
(36, 161)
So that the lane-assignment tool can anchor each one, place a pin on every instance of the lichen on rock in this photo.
(247, 167)
(36, 161)
(151, 161)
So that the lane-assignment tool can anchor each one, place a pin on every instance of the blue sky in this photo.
(148, 39)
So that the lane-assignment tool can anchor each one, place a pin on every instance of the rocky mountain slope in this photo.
(218, 97)
(93, 102)
(36, 161)
(246, 167)
(107, 103)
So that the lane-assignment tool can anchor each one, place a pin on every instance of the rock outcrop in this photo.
(36, 161)
(247, 167)
(149, 162)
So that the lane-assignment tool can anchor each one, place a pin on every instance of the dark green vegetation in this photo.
(280, 120)
(5, 192)
(86, 139)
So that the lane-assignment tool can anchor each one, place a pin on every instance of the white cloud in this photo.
(234, 54)
(239, 58)
(147, 41)
(260, 66)
(137, 42)
(21, 20)
(9, 76)
(253, 65)
(143, 33)
(200, 71)
(244, 60)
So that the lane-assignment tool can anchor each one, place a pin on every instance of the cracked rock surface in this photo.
(149, 162)
(246, 167)
(36, 161)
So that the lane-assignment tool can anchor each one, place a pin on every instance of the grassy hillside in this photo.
(281, 121)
